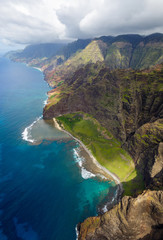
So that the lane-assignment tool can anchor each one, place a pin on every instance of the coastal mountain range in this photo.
(113, 88)
(124, 51)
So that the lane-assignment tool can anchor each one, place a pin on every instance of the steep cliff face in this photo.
(119, 55)
(59, 61)
(123, 54)
(127, 98)
(133, 218)
(146, 147)
(128, 103)
(92, 53)
(134, 51)
(157, 170)
(119, 52)
(147, 54)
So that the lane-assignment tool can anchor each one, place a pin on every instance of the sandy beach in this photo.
(108, 173)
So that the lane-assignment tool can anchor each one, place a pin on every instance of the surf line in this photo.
(113, 176)
(26, 133)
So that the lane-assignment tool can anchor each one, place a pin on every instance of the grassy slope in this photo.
(54, 97)
(92, 53)
(118, 55)
(105, 148)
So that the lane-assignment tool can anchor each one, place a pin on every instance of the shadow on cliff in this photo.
(155, 234)
(134, 186)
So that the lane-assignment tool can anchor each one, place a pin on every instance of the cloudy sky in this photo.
(35, 21)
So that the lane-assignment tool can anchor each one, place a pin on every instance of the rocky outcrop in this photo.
(146, 147)
(156, 180)
(133, 218)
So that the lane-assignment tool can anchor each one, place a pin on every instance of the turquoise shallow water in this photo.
(43, 194)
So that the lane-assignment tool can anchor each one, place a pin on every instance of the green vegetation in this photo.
(134, 183)
(147, 56)
(68, 50)
(122, 100)
(92, 53)
(118, 55)
(105, 148)
(53, 98)
(123, 51)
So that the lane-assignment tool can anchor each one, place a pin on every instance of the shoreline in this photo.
(112, 175)
(39, 69)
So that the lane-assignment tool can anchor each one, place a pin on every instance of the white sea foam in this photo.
(80, 160)
(45, 102)
(104, 209)
(39, 69)
(86, 174)
(77, 233)
(26, 134)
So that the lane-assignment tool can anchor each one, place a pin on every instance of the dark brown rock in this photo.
(132, 218)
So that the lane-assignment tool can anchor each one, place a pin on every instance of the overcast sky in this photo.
(35, 21)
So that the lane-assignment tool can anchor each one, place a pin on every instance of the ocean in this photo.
(44, 188)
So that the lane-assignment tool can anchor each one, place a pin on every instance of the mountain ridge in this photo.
(123, 51)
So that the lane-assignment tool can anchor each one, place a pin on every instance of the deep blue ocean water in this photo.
(43, 194)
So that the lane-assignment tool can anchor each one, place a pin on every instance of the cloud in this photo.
(118, 17)
(28, 21)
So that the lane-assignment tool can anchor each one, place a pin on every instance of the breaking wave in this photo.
(45, 101)
(26, 134)
(80, 160)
